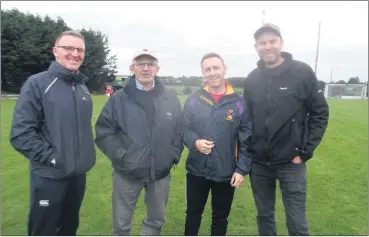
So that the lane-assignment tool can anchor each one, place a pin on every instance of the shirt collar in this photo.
(140, 86)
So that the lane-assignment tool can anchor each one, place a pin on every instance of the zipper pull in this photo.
(73, 85)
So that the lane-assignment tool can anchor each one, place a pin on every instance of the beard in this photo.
(271, 62)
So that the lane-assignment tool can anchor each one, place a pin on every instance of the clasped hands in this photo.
(205, 147)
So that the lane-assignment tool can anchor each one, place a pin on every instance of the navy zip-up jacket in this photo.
(124, 135)
(52, 120)
(227, 124)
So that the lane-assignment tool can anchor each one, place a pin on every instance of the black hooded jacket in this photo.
(288, 109)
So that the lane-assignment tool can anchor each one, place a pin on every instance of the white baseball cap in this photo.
(145, 52)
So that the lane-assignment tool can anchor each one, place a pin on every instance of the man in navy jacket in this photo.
(217, 130)
(52, 128)
(140, 131)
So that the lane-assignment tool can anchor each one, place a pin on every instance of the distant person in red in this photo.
(108, 91)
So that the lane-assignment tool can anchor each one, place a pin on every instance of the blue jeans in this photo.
(292, 179)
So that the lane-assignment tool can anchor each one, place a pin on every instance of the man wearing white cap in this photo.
(140, 131)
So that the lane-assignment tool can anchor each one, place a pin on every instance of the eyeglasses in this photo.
(149, 65)
(71, 49)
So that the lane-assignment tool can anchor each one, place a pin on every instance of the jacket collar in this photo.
(130, 86)
(61, 72)
(229, 89)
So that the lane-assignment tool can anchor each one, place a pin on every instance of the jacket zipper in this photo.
(75, 107)
(152, 141)
(267, 118)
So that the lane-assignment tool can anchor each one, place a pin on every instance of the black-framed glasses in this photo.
(71, 49)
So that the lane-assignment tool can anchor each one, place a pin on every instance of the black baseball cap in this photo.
(267, 27)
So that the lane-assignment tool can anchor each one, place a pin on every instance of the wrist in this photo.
(239, 171)
(305, 156)
(196, 144)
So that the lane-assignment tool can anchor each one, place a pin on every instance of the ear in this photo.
(255, 47)
(282, 43)
(55, 52)
(131, 69)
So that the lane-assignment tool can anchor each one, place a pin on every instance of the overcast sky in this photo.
(181, 32)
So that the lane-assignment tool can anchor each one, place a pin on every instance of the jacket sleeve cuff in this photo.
(239, 171)
(119, 153)
(176, 156)
(305, 156)
(195, 138)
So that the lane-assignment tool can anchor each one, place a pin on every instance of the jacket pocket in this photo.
(59, 163)
(196, 162)
(175, 156)
(305, 133)
(296, 136)
(119, 154)
(135, 162)
(165, 161)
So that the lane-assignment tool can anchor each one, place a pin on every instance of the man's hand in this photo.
(237, 179)
(204, 146)
(297, 160)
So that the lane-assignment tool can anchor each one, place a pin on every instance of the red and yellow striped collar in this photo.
(229, 89)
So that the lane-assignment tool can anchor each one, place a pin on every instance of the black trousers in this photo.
(55, 205)
(197, 191)
(292, 180)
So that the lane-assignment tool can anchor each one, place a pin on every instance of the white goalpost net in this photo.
(346, 91)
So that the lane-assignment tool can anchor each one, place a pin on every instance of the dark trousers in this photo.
(197, 191)
(55, 205)
(292, 180)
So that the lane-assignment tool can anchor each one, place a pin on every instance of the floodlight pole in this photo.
(317, 49)
(262, 17)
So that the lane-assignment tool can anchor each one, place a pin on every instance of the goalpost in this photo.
(346, 91)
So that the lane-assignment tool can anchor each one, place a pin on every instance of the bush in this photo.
(187, 90)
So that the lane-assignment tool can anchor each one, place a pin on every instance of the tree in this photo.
(26, 49)
(26, 43)
(98, 65)
(187, 90)
(341, 82)
(353, 80)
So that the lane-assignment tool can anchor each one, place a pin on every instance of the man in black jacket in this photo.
(217, 130)
(52, 128)
(140, 131)
(289, 116)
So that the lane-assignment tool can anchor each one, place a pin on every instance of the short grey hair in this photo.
(211, 55)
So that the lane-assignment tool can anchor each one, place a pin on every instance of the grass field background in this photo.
(337, 202)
